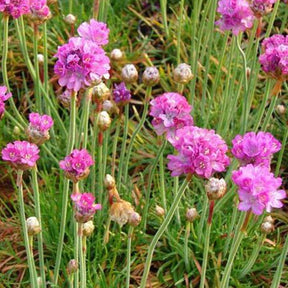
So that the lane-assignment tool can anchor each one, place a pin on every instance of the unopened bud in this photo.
(215, 188)
(40, 58)
(268, 219)
(134, 219)
(116, 54)
(101, 91)
(129, 73)
(88, 228)
(182, 73)
(104, 121)
(16, 130)
(191, 214)
(39, 281)
(248, 72)
(109, 182)
(281, 109)
(72, 266)
(151, 76)
(159, 211)
(110, 107)
(33, 226)
(65, 98)
(267, 227)
(70, 19)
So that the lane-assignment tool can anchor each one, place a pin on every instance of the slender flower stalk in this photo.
(162, 229)
(163, 4)
(38, 215)
(70, 145)
(129, 238)
(31, 264)
(136, 131)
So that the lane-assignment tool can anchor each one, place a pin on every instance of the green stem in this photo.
(180, 18)
(202, 218)
(129, 236)
(269, 112)
(163, 5)
(253, 256)
(186, 249)
(162, 182)
(161, 231)
(37, 81)
(281, 263)
(136, 131)
(70, 6)
(4, 69)
(281, 153)
(84, 249)
(38, 215)
(70, 145)
(30, 259)
(114, 149)
(124, 142)
(77, 253)
(175, 191)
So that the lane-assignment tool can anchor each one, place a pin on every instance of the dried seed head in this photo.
(116, 54)
(281, 109)
(134, 219)
(33, 226)
(100, 91)
(104, 121)
(70, 19)
(215, 188)
(191, 214)
(72, 266)
(40, 58)
(267, 227)
(110, 107)
(268, 219)
(159, 211)
(88, 228)
(120, 212)
(109, 182)
(182, 73)
(151, 76)
(129, 73)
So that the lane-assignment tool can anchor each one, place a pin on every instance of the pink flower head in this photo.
(38, 129)
(81, 63)
(3, 97)
(171, 111)
(76, 165)
(21, 154)
(121, 94)
(236, 15)
(94, 31)
(256, 149)
(15, 8)
(257, 189)
(261, 7)
(85, 207)
(39, 10)
(274, 60)
(200, 151)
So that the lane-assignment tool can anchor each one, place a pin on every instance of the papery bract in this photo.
(257, 189)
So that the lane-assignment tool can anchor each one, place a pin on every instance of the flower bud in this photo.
(116, 54)
(40, 58)
(104, 121)
(72, 266)
(101, 91)
(134, 219)
(191, 214)
(39, 281)
(281, 109)
(16, 130)
(268, 219)
(109, 182)
(65, 98)
(70, 19)
(33, 226)
(120, 212)
(151, 76)
(215, 188)
(248, 72)
(182, 73)
(159, 211)
(88, 228)
(267, 227)
(129, 73)
(110, 107)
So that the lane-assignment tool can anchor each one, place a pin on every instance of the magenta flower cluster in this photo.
(121, 94)
(39, 9)
(15, 8)
(274, 60)
(76, 165)
(21, 154)
(171, 111)
(3, 97)
(94, 31)
(258, 189)
(200, 151)
(261, 7)
(256, 149)
(85, 206)
(236, 15)
(41, 123)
